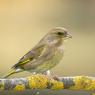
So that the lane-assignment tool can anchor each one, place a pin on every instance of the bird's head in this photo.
(58, 33)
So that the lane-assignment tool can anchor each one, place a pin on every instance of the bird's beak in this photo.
(68, 36)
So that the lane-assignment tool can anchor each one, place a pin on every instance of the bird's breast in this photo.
(57, 55)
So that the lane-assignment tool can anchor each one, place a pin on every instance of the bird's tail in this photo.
(11, 72)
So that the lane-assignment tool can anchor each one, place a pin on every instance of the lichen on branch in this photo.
(40, 81)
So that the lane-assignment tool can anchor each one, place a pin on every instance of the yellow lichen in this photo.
(19, 87)
(2, 86)
(84, 83)
(92, 85)
(56, 84)
(38, 81)
(41, 81)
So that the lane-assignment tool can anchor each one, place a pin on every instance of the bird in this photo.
(43, 56)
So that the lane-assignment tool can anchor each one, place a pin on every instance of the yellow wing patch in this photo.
(25, 61)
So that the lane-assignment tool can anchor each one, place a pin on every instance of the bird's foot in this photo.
(55, 78)
(49, 75)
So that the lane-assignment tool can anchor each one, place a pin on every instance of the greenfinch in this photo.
(45, 55)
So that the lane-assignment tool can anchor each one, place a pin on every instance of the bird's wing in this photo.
(31, 55)
(46, 55)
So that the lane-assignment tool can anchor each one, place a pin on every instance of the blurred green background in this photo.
(24, 22)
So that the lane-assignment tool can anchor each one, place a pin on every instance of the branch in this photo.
(43, 82)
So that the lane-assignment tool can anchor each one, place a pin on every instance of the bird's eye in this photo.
(60, 33)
